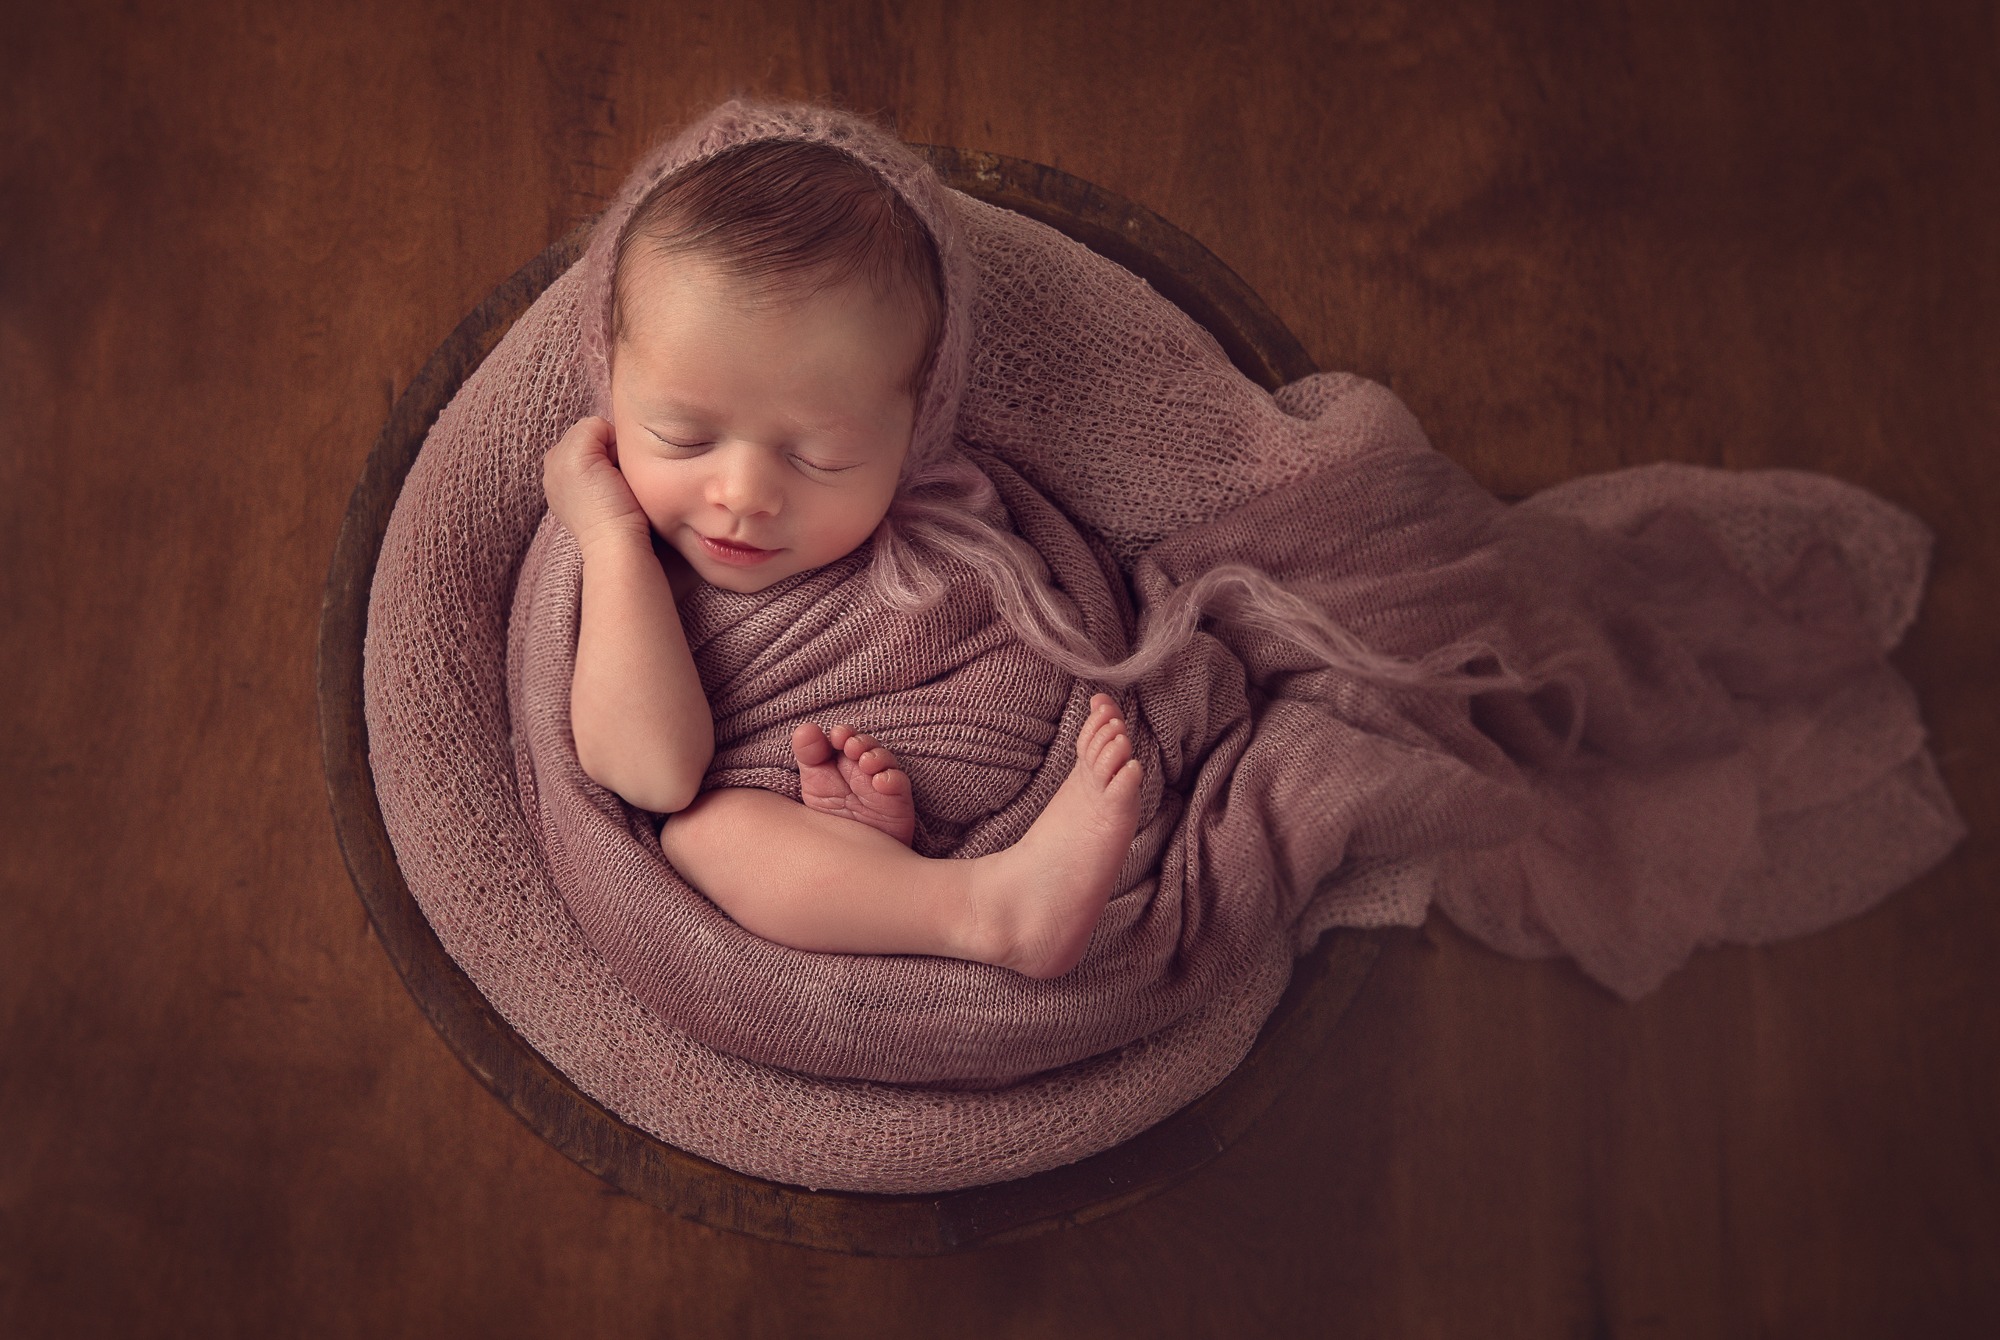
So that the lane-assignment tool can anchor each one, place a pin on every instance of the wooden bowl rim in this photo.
(1323, 983)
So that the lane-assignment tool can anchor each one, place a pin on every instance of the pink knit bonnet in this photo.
(740, 122)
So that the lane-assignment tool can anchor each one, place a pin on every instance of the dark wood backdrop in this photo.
(1755, 235)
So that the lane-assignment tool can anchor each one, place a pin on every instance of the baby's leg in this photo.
(1039, 900)
(846, 773)
(819, 881)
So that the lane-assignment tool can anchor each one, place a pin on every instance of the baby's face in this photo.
(763, 437)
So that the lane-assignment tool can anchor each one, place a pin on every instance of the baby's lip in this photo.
(733, 551)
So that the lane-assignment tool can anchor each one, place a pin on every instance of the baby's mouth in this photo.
(735, 553)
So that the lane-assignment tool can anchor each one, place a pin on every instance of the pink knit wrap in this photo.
(1717, 749)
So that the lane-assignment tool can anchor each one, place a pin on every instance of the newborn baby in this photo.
(775, 314)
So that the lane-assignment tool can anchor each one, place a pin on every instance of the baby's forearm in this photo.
(641, 721)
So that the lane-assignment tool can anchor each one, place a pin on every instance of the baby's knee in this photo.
(684, 827)
(710, 816)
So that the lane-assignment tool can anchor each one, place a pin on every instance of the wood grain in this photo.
(1747, 234)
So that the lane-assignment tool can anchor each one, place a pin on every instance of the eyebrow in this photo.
(689, 412)
(679, 409)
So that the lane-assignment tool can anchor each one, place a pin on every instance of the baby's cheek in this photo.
(658, 499)
(849, 529)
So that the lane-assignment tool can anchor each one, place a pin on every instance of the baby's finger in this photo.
(587, 440)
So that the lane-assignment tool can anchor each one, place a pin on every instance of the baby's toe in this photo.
(1116, 754)
(876, 760)
(1125, 780)
(1102, 727)
(892, 782)
(810, 746)
(1105, 753)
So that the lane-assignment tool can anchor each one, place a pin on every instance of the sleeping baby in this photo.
(775, 311)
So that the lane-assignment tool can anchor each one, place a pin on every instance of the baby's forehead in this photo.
(680, 307)
(650, 275)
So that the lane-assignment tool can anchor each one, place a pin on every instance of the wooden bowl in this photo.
(1323, 982)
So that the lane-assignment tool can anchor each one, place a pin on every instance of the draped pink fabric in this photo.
(1711, 747)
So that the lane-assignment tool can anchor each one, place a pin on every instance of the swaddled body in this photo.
(763, 398)
(1621, 719)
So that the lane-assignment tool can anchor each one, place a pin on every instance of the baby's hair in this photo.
(789, 218)
(792, 217)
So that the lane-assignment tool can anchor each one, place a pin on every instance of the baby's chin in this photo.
(739, 584)
(743, 581)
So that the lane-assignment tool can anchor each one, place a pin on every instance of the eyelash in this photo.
(823, 469)
(817, 469)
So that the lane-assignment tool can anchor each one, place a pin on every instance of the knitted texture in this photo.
(1714, 748)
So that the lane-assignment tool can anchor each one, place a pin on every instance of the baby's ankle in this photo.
(1013, 923)
(977, 936)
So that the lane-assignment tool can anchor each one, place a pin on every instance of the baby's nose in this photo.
(746, 480)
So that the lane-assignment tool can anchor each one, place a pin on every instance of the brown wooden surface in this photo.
(1751, 236)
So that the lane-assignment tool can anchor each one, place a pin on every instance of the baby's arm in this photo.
(641, 722)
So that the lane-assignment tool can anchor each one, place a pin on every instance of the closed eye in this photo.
(821, 469)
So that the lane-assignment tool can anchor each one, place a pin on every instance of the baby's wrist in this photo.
(617, 543)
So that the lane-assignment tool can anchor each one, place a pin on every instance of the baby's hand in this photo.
(586, 491)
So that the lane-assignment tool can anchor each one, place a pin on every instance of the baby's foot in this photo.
(1044, 894)
(846, 773)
